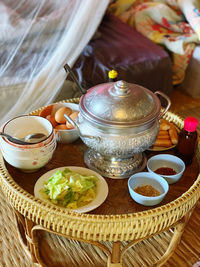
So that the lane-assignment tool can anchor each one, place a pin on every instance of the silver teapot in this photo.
(118, 121)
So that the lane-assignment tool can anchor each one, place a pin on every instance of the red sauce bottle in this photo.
(187, 140)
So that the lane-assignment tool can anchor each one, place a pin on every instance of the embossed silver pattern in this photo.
(114, 167)
(118, 121)
(121, 144)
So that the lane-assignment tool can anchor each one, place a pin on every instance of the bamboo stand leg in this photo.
(115, 259)
(25, 236)
(34, 232)
(35, 242)
(21, 228)
(179, 229)
(29, 225)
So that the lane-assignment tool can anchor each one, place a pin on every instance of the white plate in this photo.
(159, 148)
(102, 187)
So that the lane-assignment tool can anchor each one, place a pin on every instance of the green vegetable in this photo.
(70, 189)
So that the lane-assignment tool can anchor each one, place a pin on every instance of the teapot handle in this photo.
(71, 73)
(168, 103)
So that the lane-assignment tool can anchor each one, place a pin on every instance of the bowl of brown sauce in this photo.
(170, 167)
(147, 188)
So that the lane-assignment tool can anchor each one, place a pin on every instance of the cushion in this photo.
(121, 47)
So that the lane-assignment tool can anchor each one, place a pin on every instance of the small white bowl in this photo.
(24, 125)
(28, 159)
(31, 157)
(147, 178)
(168, 161)
(70, 135)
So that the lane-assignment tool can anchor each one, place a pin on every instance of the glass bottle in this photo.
(187, 140)
(112, 75)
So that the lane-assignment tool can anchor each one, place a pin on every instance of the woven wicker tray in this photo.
(101, 227)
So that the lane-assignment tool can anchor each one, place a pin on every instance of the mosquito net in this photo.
(37, 38)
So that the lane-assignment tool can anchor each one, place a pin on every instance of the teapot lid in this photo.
(120, 103)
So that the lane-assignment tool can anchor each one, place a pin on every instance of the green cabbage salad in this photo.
(70, 189)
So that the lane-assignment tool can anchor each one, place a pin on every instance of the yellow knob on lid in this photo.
(112, 74)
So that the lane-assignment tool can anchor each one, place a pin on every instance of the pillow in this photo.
(135, 58)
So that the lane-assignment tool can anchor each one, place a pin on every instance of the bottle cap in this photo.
(112, 74)
(190, 124)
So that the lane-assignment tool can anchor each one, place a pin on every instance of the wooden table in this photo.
(117, 214)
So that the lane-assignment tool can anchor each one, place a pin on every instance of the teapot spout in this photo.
(78, 129)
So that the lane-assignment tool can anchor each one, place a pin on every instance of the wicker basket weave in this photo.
(100, 227)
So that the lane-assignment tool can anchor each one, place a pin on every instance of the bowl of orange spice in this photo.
(147, 188)
(170, 167)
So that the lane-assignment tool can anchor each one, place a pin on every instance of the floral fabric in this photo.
(173, 24)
